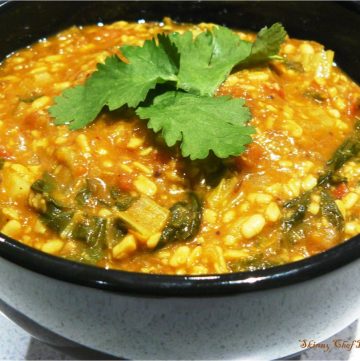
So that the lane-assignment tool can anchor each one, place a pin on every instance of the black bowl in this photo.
(334, 24)
(31, 21)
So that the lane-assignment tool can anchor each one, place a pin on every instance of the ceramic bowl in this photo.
(251, 315)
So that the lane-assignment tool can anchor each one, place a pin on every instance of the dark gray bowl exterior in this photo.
(217, 316)
(266, 324)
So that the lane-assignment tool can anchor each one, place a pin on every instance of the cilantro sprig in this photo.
(187, 112)
(222, 121)
(116, 83)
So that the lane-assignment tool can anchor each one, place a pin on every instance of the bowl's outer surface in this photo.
(266, 324)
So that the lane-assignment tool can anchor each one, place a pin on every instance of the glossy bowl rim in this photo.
(175, 285)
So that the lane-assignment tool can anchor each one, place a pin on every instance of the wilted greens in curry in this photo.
(178, 149)
(184, 221)
(71, 214)
(297, 207)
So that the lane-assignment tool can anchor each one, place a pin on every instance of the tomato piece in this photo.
(274, 90)
(31, 122)
(251, 158)
(352, 109)
(124, 182)
(340, 191)
(4, 153)
(281, 93)
(80, 170)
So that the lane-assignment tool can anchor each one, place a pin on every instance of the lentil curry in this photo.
(114, 195)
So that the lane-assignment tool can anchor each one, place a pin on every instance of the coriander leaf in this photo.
(207, 60)
(165, 41)
(69, 108)
(266, 45)
(116, 83)
(200, 123)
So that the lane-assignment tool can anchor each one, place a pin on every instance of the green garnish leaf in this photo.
(207, 60)
(115, 83)
(201, 124)
(198, 66)
(266, 45)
